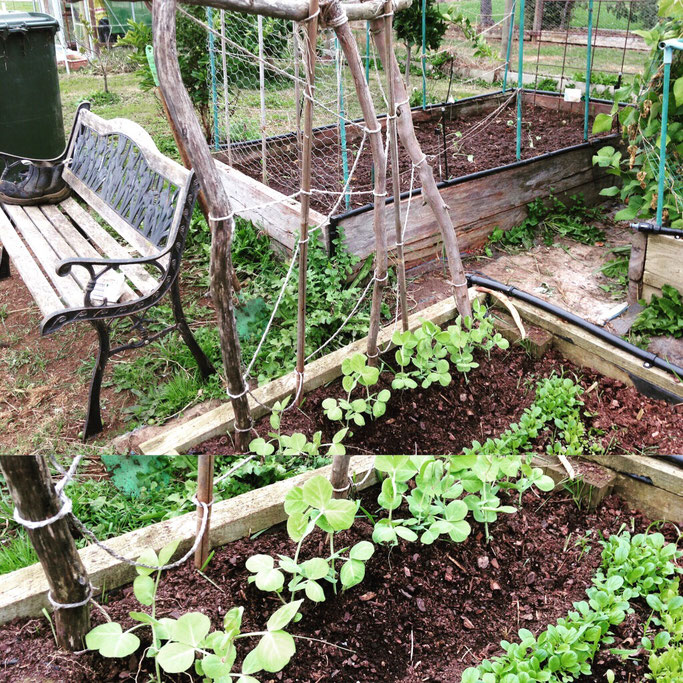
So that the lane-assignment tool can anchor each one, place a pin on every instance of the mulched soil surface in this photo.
(481, 143)
(447, 419)
(423, 613)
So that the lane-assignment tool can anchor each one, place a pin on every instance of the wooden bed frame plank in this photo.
(23, 593)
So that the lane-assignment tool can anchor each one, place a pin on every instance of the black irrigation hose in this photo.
(649, 359)
(657, 229)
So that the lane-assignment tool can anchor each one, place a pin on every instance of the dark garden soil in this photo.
(447, 419)
(474, 144)
(423, 613)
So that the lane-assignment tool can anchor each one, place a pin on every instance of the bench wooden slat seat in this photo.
(119, 178)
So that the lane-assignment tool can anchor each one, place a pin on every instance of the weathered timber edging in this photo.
(23, 593)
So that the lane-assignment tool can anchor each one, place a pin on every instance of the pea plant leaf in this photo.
(110, 640)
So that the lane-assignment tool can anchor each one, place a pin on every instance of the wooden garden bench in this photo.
(126, 221)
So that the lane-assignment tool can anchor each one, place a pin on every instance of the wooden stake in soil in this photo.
(30, 485)
(309, 68)
(183, 115)
(204, 495)
(406, 132)
(340, 475)
(336, 18)
(395, 169)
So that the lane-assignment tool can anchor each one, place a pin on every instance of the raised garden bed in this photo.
(421, 612)
(448, 419)
(481, 182)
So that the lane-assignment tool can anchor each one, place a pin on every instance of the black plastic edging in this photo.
(335, 220)
(649, 359)
(654, 229)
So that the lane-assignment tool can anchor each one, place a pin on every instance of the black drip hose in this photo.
(649, 359)
(657, 229)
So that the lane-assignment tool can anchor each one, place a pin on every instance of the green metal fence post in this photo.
(424, 54)
(520, 80)
(214, 87)
(587, 96)
(509, 46)
(668, 56)
(342, 121)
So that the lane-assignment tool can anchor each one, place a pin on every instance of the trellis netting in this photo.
(257, 85)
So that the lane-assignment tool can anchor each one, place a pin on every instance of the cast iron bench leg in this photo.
(93, 421)
(205, 367)
(4, 264)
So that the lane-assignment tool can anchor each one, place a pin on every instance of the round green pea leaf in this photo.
(143, 587)
(352, 573)
(260, 563)
(314, 591)
(384, 533)
(148, 557)
(174, 658)
(294, 501)
(110, 640)
(297, 526)
(272, 654)
(315, 569)
(317, 492)
(340, 514)
(191, 629)
(271, 580)
(545, 483)
(214, 667)
(406, 534)
(362, 551)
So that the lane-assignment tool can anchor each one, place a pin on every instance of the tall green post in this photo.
(424, 54)
(587, 96)
(668, 57)
(214, 86)
(520, 80)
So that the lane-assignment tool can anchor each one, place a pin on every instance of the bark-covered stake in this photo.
(222, 226)
(204, 495)
(30, 485)
(340, 475)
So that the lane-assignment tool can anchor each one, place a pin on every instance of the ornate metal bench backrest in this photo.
(115, 165)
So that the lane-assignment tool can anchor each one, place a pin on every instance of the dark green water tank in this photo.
(31, 122)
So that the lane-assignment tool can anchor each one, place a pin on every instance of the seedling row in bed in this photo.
(454, 569)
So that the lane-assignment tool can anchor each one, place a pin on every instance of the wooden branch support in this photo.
(340, 475)
(432, 196)
(30, 485)
(183, 115)
(204, 495)
(636, 266)
(335, 17)
(395, 168)
(306, 170)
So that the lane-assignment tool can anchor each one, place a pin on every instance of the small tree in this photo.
(408, 25)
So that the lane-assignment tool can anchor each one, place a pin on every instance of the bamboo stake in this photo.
(406, 132)
(204, 495)
(340, 475)
(182, 113)
(30, 485)
(335, 17)
(395, 170)
(307, 150)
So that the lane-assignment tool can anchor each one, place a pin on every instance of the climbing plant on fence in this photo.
(641, 125)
